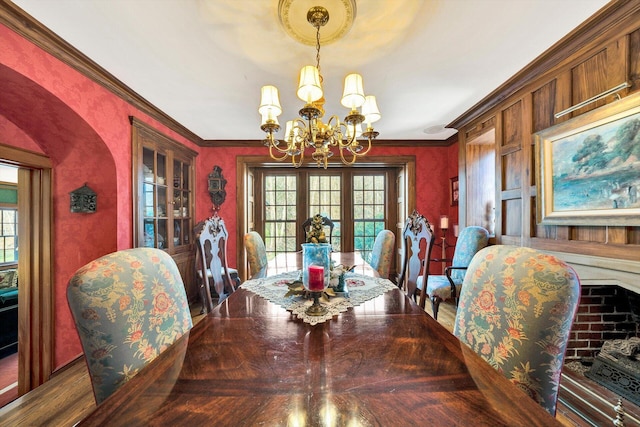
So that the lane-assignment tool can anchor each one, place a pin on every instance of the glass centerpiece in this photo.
(317, 251)
(316, 264)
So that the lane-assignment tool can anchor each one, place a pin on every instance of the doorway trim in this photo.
(35, 271)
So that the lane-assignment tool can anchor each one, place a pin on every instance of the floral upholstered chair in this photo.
(516, 310)
(256, 254)
(447, 286)
(383, 252)
(128, 306)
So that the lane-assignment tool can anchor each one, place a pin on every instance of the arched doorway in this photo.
(58, 151)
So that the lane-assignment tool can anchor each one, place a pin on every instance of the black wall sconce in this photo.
(216, 188)
(83, 200)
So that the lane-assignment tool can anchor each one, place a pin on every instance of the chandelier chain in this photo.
(318, 48)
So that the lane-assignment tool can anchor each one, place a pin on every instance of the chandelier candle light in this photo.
(314, 133)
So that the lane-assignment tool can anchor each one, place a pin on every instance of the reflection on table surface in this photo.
(291, 261)
(386, 362)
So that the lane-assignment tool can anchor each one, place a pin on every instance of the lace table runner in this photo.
(361, 288)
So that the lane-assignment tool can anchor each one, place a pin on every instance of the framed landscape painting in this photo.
(589, 167)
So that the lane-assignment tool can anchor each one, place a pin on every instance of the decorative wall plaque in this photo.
(216, 187)
(84, 200)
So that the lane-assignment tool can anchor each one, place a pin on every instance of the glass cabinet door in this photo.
(154, 192)
(181, 203)
(163, 190)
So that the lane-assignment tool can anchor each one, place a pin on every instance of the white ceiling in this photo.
(203, 62)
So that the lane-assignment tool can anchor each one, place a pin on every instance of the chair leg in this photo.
(203, 297)
(435, 305)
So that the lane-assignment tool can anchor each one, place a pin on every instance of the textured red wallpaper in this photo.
(85, 131)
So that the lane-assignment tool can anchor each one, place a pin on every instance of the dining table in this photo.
(379, 361)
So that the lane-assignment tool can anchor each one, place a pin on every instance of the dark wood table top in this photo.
(383, 363)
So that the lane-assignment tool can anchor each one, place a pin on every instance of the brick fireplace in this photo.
(604, 313)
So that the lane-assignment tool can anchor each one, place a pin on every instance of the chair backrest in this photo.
(470, 240)
(256, 254)
(516, 310)
(383, 252)
(128, 307)
(213, 267)
(417, 242)
(306, 225)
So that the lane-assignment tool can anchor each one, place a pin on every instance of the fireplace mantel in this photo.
(594, 270)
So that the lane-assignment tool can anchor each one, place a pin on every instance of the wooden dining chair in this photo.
(447, 286)
(212, 269)
(417, 243)
(516, 309)
(306, 225)
(128, 307)
(256, 254)
(383, 251)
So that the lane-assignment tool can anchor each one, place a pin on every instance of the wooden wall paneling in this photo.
(481, 184)
(589, 78)
(563, 95)
(589, 233)
(544, 103)
(617, 66)
(563, 232)
(528, 171)
(512, 125)
(511, 159)
(617, 235)
(602, 53)
(511, 221)
(633, 53)
(512, 170)
(543, 107)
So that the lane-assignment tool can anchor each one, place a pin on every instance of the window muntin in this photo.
(280, 214)
(325, 198)
(8, 235)
(369, 195)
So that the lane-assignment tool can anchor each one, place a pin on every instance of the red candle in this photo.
(316, 277)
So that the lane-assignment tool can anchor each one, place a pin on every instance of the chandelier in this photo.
(309, 131)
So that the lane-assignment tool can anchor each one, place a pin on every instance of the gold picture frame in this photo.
(589, 167)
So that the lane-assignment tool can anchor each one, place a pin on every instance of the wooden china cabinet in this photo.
(163, 198)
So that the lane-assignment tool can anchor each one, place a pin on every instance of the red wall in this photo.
(85, 131)
(49, 108)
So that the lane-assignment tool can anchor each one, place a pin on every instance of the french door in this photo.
(359, 201)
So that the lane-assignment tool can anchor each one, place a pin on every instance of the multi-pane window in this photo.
(8, 235)
(325, 198)
(369, 198)
(280, 215)
(356, 200)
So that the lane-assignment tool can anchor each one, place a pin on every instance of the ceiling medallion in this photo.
(293, 18)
